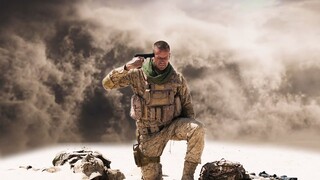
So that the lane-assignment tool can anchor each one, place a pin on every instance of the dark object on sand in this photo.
(274, 176)
(223, 170)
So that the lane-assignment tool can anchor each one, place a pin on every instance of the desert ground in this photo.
(274, 159)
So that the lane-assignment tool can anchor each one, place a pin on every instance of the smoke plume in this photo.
(252, 67)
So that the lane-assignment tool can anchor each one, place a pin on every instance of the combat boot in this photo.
(188, 170)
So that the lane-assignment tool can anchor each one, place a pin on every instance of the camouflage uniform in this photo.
(162, 112)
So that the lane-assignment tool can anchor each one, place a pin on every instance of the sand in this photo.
(303, 164)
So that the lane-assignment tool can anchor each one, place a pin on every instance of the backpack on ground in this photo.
(223, 170)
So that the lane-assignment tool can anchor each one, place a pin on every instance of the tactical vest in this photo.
(156, 105)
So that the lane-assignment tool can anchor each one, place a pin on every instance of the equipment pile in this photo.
(227, 170)
(93, 165)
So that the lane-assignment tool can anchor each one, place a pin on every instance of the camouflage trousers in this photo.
(180, 129)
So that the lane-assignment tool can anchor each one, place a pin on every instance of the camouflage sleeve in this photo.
(117, 78)
(186, 101)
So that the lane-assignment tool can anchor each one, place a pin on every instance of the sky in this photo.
(252, 68)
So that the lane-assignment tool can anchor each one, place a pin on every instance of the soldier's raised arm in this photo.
(120, 77)
(186, 101)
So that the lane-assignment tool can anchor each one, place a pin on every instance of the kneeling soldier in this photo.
(162, 108)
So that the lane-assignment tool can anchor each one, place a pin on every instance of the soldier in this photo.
(162, 108)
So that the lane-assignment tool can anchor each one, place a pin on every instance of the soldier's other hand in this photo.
(135, 63)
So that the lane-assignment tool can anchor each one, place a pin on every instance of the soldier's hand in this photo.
(135, 63)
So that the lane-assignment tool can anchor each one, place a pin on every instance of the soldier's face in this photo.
(161, 58)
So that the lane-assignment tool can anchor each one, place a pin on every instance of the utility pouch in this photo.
(136, 109)
(142, 160)
(158, 95)
(177, 106)
(137, 155)
(168, 113)
(158, 98)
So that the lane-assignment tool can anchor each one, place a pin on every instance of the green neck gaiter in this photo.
(156, 77)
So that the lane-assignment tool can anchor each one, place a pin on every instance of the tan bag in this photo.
(177, 106)
(135, 111)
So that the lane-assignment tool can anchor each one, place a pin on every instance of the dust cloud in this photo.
(252, 68)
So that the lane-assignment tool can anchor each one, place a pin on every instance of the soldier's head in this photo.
(161, 50)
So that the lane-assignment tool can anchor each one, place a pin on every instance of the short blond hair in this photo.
(162, 45)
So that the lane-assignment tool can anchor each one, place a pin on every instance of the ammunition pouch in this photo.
(162, 113)
(142, 160)
(158, 97)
